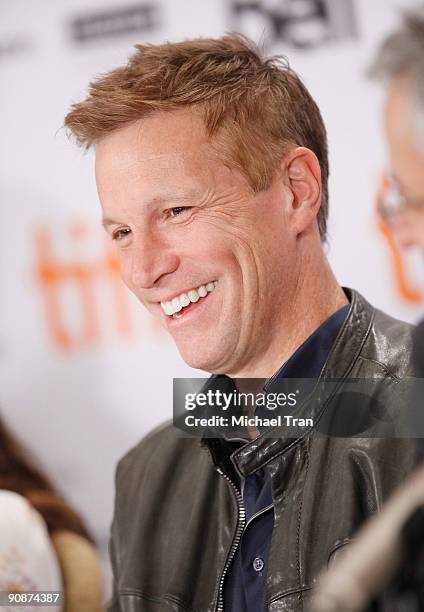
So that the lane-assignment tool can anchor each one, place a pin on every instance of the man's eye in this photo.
(177, 211)
(121, 233)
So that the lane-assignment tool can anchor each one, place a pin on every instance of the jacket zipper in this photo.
(236, 541)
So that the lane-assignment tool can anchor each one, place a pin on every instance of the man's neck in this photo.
(316, 298)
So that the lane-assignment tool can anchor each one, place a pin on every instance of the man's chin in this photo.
(201, 360)
(198, 363)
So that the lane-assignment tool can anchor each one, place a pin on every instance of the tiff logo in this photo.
(302, 24)
(94, 285)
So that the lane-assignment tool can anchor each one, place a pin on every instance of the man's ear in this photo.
(303, 178)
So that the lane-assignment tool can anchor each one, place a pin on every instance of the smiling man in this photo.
(217, 262)
(212, 170)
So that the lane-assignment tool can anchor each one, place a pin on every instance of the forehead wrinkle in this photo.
(215, 197)
(132, 168)
(199, 173)
(126, 160)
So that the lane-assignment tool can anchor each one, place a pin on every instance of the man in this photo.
(212, 171)
(400, 64)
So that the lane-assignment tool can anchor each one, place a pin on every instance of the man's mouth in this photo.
(184, 300)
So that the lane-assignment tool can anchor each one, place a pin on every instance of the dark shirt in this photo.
(245, 584)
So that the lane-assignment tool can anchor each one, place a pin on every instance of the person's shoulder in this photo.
(164, 439)
(162, 448)
(19, 520)
(389, 344)
(392, 327)
(16, 508)
(26, 549)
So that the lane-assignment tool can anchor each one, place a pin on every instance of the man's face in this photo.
(407, 163)
(181, 221)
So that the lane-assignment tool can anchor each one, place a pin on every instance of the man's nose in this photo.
(152, 259)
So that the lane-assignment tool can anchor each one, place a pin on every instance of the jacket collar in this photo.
(340, 360)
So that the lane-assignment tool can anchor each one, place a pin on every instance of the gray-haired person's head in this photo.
(401, 55)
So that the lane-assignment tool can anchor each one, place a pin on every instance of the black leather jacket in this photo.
(178, 517)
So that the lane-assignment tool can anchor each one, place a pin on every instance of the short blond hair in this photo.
(259, 108)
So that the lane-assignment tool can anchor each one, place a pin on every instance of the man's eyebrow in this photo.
(177, 199)
(106, 222)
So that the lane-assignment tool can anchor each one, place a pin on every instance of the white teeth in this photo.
(167, 307)
(193, 295)
(176, 304)
(181, 301)
(184, 299)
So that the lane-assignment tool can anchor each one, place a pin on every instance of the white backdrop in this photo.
(84, 372)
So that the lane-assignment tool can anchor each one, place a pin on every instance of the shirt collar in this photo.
(306, 362)
(309, 359)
